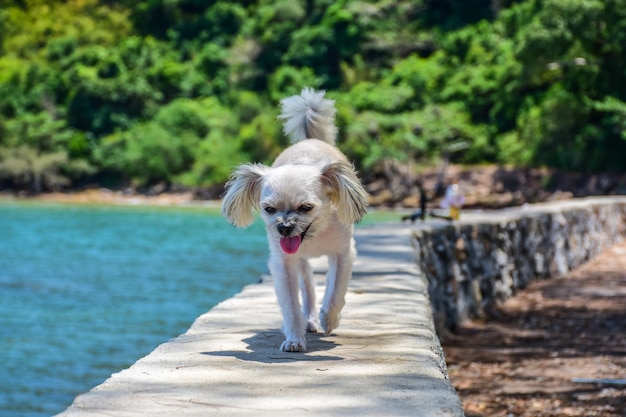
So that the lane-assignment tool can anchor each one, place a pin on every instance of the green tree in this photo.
(179, 91)
(25, 167)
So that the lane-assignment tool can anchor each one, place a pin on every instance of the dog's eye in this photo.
(305, 208)
(270, 210)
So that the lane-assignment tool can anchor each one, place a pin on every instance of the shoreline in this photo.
(107, 196)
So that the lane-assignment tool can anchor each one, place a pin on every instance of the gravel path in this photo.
(558, 348)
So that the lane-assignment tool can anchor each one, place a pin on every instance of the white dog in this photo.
(309, 199)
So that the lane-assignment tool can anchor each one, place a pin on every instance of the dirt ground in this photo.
(535, 354)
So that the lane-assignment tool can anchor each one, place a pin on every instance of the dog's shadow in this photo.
(263, 347)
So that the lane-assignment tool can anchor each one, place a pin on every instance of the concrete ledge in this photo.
(384, 359)
(486, 257)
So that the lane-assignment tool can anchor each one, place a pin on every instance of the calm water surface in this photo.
(85, 291)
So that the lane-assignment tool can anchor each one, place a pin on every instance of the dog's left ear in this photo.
(243, 192)
(345, 191)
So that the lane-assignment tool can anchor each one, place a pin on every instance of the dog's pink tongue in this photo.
(290, 244)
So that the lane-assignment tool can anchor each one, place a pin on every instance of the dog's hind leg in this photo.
(285, 274)
(337, 280)
(307, 287)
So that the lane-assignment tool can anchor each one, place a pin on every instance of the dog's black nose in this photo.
(285, 229)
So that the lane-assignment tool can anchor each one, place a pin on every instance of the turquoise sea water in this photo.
(85, 290)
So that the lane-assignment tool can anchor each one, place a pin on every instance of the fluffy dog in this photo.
(309, 199)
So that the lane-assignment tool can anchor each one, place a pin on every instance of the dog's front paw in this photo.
(293, 345)
(312, 326)
(329, 321)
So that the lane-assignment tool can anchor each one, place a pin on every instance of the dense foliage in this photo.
(176, 92)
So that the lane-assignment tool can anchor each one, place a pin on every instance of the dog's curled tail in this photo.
(309, 115)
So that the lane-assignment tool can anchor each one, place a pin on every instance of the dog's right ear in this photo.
(242, 195)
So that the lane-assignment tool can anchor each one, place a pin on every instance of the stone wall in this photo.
(484, 258)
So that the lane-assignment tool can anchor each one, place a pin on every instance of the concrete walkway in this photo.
(384, 359)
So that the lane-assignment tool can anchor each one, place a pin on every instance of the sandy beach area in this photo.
(107, 196)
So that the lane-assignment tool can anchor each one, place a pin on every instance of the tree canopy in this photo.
(177, 92)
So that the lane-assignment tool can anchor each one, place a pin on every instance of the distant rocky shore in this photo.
(393, 186)
(107, 196)
(490, 186)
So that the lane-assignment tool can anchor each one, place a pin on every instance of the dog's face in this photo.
(295, 201)
(294, 204)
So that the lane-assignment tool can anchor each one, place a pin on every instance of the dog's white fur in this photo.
(310, 198)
